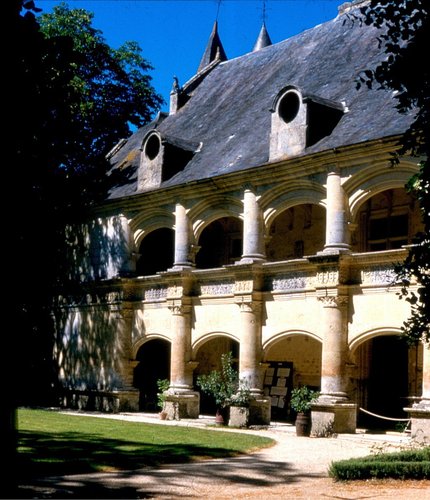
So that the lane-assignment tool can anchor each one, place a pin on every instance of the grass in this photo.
(52, 443)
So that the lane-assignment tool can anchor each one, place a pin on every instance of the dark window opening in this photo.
(289, 107)
(388, 233)
(156, 252)
(152, 147)
(321, 122)
(175, 160)
(220, 243)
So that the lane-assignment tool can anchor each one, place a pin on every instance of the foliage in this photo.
(406, 36)
(224, 385)
(70, 107)
(112, 86)
(302, 398)
(63, 443)
(162, 384)
(413, 464)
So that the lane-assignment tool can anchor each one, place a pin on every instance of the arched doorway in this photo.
(209, 358)
(294, 360)
(387, 378)
(154, 364)
(220, 243)
(297, 231)
(156, 252)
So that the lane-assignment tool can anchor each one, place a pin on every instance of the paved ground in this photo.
(295, 467)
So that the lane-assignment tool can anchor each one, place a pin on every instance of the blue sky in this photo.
(173, 33)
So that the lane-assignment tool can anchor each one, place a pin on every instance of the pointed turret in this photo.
(214, 49)
(263, 39)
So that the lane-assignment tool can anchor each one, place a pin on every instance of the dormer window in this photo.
(162, 158)
(299, 121)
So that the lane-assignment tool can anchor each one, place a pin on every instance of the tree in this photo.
(114, 92)
(406, 37)
(73, 99)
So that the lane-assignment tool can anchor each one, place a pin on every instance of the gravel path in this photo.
(295, 467)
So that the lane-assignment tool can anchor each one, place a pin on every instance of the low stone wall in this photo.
(103, 401)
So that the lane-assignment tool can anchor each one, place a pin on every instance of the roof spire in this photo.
(214, 49)
(263, 39)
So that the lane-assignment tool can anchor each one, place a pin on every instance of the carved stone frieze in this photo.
(378, 275)
(243, 286)
(291, 281)
(179, 309)
(327, 277)
(175, 291)
(217, 288)
(156, 293)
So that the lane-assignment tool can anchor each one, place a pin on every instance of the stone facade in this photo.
(286, 261)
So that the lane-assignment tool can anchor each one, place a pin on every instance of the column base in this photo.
(333, 418)
(182, 404)
(419, 414)
(257, 413)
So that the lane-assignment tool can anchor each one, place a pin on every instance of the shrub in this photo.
(413, 464)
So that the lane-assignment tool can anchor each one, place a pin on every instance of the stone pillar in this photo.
(337, 237)
(419, 413)
(253, 232)
(180, 378)
(126, 394)
(181, 401)
(334, 349)
(250, 345)
(333, 411)
(251, 370)
(182, 239)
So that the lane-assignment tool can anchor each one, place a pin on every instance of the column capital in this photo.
(250, 306)
(334, 301)
(179, 309)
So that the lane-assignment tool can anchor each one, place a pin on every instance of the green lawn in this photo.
(52, 443)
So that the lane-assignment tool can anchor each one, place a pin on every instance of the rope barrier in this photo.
(384, 418)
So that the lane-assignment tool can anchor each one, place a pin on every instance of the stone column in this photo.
(251, 370)
(182, 239)
(333, 411)
(419, 413)
(127, 395)
(253, 232)
(334, 349)
(426, 373)
(180, 378)
(250, 345)
(181, 401)
(337, 237)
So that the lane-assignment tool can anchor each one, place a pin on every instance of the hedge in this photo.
(411, 464)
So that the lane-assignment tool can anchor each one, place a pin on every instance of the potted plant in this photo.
(225, 387)
(162, 385)
(301, 401)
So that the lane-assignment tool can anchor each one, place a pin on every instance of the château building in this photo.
(260, 216)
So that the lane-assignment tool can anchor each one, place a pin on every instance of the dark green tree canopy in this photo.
(112, 88)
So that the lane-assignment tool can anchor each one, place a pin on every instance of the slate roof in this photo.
(229, 111)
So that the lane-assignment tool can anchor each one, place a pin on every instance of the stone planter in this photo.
(239, 416)
(303, 424)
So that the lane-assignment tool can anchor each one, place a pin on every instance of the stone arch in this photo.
(138, 343)
(384, 373)
(287, 195)
(207, 352)
(211, 209)
(299, 354)
(152, 364)
(150, 220)
(375, 179)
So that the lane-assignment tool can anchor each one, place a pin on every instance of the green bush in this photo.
(410, 464)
